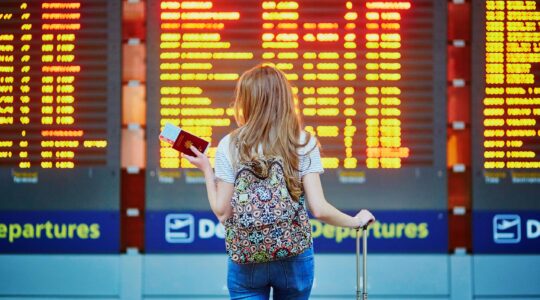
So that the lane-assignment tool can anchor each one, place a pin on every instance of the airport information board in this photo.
(505, 126)
(506, 105)
(59, 105)
(370, 78)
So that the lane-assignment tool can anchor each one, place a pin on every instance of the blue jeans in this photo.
(290, 278)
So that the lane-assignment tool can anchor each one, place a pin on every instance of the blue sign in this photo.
(394, 232)
(506, 232)
(59, 232)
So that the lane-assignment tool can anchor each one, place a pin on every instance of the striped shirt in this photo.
(310, 163)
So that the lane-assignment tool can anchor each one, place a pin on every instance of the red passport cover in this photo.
(186, 139)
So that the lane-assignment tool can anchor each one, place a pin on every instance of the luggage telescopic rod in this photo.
(364, 254)
(361, 295)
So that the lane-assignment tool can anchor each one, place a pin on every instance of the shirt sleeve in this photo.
(310, 159)
(222, 165)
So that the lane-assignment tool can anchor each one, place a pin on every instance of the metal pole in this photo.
(364, 254)
(358, 293)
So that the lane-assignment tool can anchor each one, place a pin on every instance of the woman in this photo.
(269, 130)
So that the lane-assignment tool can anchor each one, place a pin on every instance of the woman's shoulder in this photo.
(304, 135)
(223, 151)
(224, 143)
(226, 140)
(309, 140)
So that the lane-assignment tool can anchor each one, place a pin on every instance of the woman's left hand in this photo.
(365, 218)
(200, 160)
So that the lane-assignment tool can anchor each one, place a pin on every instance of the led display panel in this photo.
(506, 105)
(370, 78)
(59, 105)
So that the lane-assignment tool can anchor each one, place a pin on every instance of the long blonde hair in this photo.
(265, 112)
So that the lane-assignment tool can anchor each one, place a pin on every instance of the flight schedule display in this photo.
(369, 78)
(59, 104)
(506, 104)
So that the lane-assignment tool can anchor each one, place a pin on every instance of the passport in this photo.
(181, 140)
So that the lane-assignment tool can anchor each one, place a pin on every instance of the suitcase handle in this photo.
(361, 295)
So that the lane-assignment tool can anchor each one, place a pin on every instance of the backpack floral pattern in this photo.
(267, 224)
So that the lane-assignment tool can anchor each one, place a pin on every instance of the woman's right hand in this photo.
(364, 217)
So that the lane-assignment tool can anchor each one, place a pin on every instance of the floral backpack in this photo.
(267, 224)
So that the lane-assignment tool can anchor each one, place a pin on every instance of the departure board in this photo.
(59, 104)
(370, 78)
(506, 104)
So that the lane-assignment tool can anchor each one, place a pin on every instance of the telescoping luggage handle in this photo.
(361, 295)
